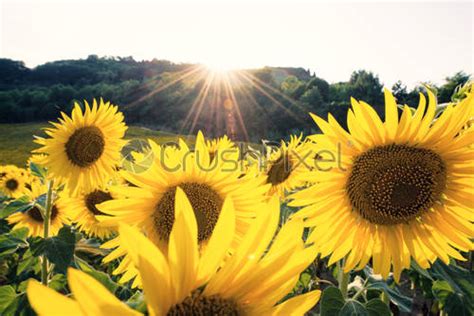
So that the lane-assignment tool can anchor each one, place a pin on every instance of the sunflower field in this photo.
(375, 219)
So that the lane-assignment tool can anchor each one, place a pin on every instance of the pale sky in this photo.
(413, 42)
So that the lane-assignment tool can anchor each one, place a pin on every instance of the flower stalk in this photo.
(343, 279)
(46, 224)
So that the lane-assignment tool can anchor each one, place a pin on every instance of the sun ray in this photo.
(181, 76)
(217, 108)
(256, 85)
(286, 97)
(235, 103)
(251, 100)
(199, 99)
(200, 105)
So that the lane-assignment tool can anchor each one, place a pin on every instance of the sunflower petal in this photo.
(93, 297)
(183, 247)
(41, 298)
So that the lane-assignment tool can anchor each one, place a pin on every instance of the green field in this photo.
(16, 140)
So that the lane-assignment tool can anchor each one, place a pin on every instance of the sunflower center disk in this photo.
(35, 214)
(94, 198)
(85, 146)
(206, 204)
(393, 184)
(11, 184)
(197, 304)
(280, 170)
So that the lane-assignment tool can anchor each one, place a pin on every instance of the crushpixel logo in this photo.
(137, 156)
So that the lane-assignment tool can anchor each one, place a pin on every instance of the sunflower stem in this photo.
(361, 290)
(385, 298)
(46, 223)
(343, 279)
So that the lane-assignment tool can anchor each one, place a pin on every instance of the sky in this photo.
(412, 42)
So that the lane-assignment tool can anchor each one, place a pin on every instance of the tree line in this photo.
(264, 103)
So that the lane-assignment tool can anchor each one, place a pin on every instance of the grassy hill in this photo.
(16, 140)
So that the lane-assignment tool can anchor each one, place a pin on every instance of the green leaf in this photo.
(11, 242)
(27, 262)
(90, 247)
(457, 304)
(19, 307)
(305, 278)
(58, 249)
(137, 302)
(459, 278)
(8, 297)
(403, 302)
(4, 198)
(5, 228)
(332, 301)
(37, 170)
(22, 204)
(100, 276)
(58, 282)
(458, 298)
(441, 291)
(353, 308)
(21, 233)
(22, 286)
(376, 307)
(415, 266)
(461, 282)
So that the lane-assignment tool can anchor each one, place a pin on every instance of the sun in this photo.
(221, 66)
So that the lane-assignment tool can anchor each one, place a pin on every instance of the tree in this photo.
(322, 85)
(293, 87)
(400, 92)
(447, 90)
(366, 86)
(313, 98)
(13, 71)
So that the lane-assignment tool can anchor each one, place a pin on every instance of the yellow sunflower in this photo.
(13, 181)
(4, 169)
(36, 159)
(220, 146)
(33, 218)
(183, 281)
(150, 205)
(83, 211)
(84, 149)
(287, 165)
(403, 187)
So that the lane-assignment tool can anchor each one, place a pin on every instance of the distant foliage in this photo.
(272, 101)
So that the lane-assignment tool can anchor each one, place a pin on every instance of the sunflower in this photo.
(84, 149)
(35, 159)
(4, 169)
(403, 187)
(287, 166)
(150, 205)
(183, 281)
(83, 212)
(220, 146)
(13, 181)
(33, 218)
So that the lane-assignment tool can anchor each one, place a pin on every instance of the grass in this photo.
(16, 140)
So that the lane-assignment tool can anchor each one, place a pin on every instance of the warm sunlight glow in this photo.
(222, 65)
(219, 68)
